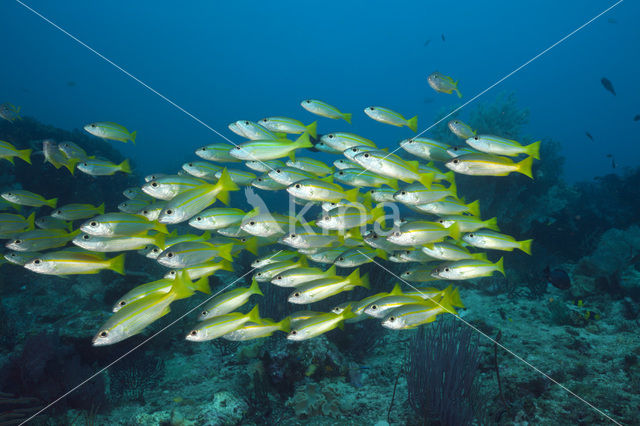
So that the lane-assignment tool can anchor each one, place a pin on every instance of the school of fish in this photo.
(445, 238)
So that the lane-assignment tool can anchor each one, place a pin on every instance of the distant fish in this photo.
(613, 160)
(636, 118)
(443, 83)
(10, 112)
(607, 85)
(442, 36)
(426, 43)
(558, 278)
(589, 135)
(612, 20)
(109, 130)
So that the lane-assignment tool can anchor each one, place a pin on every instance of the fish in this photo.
(239, 177)
(201, 270)
(343, 163)
(252, 330)
(426, 43)
(425, 148)
(56, 158)
(461, 129)
(488, 239)
(21, 258)
(202, 169)
(469, 223)
(323, 109)
(323, 147)
(289, 125)
(264, 166)
(135, 193)
(270, 149)
(457, 151)
(190, 253)
(387, 116)
(383, 195)
(289, 175)
(217, 218)
(137, 315)
(442, 37)
(278, 256)
(558, 278)
(363, 178)
(265, 182)
(501, 146)
(102, 167)
(350, 153)
(636, 117)
(23, 197)
(11, 223)
(321, 190)
(50, 222)
(9, 152)
(310, 165)
(449, 206)
(419, 274)
(443, 84)
(218, 152)
(72, 151)
(40, 239)
(489, 165)
(115, 244)
(268, 272)
(341, 141)
(132, 206)
(318, 324)
(589, 135)
(159, 286)
(390, 165)
(267, 224)
(167, 187)
(381, 307)
(255, 131)
(77, 211)
(349, 216)
(417, 194)
(450, 251)
(229, 301)
(190, 203)
(323, 288)
(413, 315)
(379, 241)
(120, 225)
(422, 232)
(297, 276)
(10, 112)
(466, 269)
(74, 263)
(215, 327)
(606, 83)
(412, 255)
(112, 131)
(358, 256)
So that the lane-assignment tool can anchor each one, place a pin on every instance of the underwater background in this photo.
(569, 311)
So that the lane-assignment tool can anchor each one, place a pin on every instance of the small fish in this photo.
(428, 149)
(358, 256)
(137, 315)
(135, 193)
(268, 272)
(310, 165)
(167, 187)
(40, 239)
(418, 274)
(219, 326)
(378, 241)
(229, 301)
(558, 278)
(323, 288)
(589, 135)
(202, 270)
(155, 287)
(469, 223)
(421, 232)
(109, 130)
(14, 223)
(264, 166)
(239, 177)
(10, 112)
(321, 190)
(217, 218)
(387, 116)
(317, 107)
(77, 211)
(252, 330)
(417, 194)
(267, 224)
(8, 152)
(315, 325)
(364, 178)
(467, 269)
(133, 206)
(413, 315)
(56, 158)
(450, 251)
(23, 197)
(72, 263)
(489, 165)
(348, 217)
(608, 85)
(72, 151)
(217, 152)
(289, 175)
(341, 141)
(426, 43)
(461, 129)
(120, 225)
(298, 276)
(488, 239)
(443, 84)
(270, 149)
(391, 165)
(279, 256)
(114, 244)
(190, 253)
(202, 169)
(102, 167)
(501, 146)
(21, 258)
(288, 125)
(265, 182)
(50, 222)
(449, 206)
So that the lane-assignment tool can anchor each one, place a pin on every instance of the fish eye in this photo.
(392, 319)
(156, 250)
(190, 164)
(246, 123)
(293, 235)
(308, 101)
(476, 138)
(294, 332)
(403, 192)
(104, 333)
(264, 120)
(252, 223)
(447, 269)
(374, 307)
(170, 254)
(169, 211)
(340, 259)
(145, 212)
(456, 161)
(297, 185)
(58, 212)
(172, 273)
(237, 147)
(470, 235)
(194, 332)
(396, 234)
(371, 108)
(243, 240)
(296, 294)
(340, 173)
(259, 179)
(259, 274)
(326, 218)
(331, 136)
(199, 219)
(204, 313)
(374, 236)
(366, 156)
(278, 171)
(85, 237)
(93, 223)
(93, 125)
(411, 141)
(154, 184)
(122, 302)
(36, 262)
(18, 241)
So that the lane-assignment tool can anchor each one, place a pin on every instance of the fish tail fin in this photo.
(500, 266)
(453, 189)
(377, 213)
(25, 155)
(116, 264)
(181, 286)
(525, 246)
(303, 262)
(352, 195)
(366, 200)
(446, 305)
(524, 166)
(132, 136)
(455, 298)
(255, 288)
(396, 290)
(479, 256)
(225, 265)
(534, 150)
(347, 314)
(31, 220)
(331, 272)
(454, 231)
(161, 227)
(224, 251)
(354, 277)
(125, 167)
(393, 183)
(474, 208)
(347, 117)
(426, 179)
(52, 203)
(455, 87)
(71, 165)
(382, 254)
(159, 240)
(252, 245)
(412, 123)
(284, 325)
(364, 281)
(69, 226)
(224, 185)
(202, 285)
(254, 315)
(303, 141)
(313, 129)
(492, 224)
(100, 209)
(10, 159)
(450, 177)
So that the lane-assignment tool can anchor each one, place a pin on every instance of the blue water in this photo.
(229, 61)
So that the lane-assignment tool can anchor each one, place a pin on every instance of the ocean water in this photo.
(553, 341)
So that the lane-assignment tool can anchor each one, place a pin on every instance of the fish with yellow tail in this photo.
(215, 327)
(443, 83)
(315, 106)
(10, 112)
(66, 262)
(317, 324)
(461, 129)
(159, 286)
(466, 269)
(229, 301)
(489, 165)
(387, 116)
(270, 149)
(322, 288)
(502, 146)
(288, 125)
(22, 197)
(412, 315)
(9, 152)
(488, 239)
(102, 167)
(110, 130)
(252, 330)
